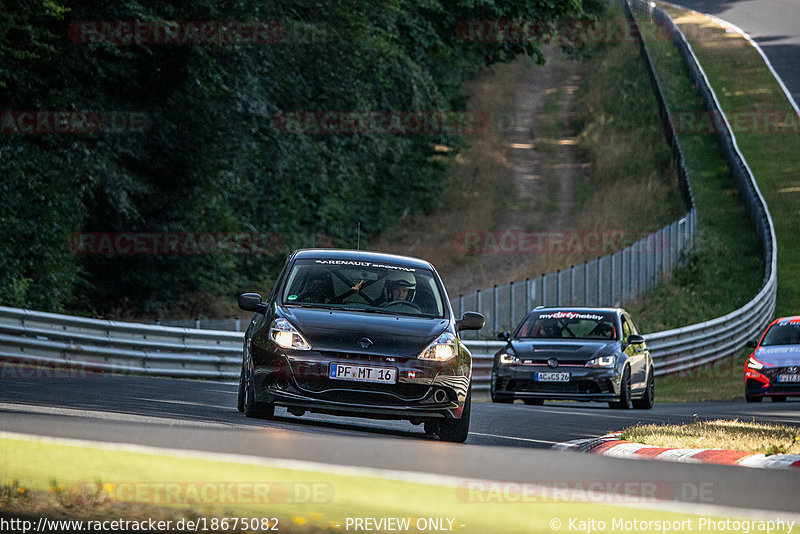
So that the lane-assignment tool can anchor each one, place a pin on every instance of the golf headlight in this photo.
(609, 360)
(752, 363)
(508, 356)
(441, 350)
(285, 335)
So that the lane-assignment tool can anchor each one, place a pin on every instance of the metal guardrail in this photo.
(692, 346)
(43, 341)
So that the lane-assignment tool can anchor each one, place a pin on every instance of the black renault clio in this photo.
(362, 334)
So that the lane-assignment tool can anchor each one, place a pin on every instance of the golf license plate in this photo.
(362, 373)
(552, 377)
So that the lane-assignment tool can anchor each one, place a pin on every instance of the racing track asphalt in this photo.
(773, 24)
(201, 415)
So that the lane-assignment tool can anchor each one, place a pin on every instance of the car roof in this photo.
(579, 309)
(360, 255)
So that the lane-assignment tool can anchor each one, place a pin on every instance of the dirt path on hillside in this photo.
(521, 176)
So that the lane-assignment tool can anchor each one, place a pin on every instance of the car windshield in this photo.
(568, 325)
(364, 286)
(782, 334)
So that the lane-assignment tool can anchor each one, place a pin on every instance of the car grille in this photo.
(360, 358)
(561, 361)
(364, 392)
(577, 387)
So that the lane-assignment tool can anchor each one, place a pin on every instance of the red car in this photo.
(773, 370)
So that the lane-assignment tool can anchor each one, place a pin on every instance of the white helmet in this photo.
(401, 279)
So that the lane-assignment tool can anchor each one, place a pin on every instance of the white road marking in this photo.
(513, 438)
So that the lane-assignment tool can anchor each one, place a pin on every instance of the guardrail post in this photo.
(528, 295)
(558, 287)
(623, 287)
(572, 285)
(586, 283)
(611, 277)
(511, 311)
(544, 290)
(599, 281)
(495, 320)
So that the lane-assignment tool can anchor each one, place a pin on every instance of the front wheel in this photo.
(457, 430)
(649, 395)
(624, 402)
(748, 398)
(253, 408)
(240, 398)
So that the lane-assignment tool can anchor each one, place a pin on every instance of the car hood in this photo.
(343, 331)
(779, 355)
(578, 350)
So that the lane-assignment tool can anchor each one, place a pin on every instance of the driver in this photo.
(400, 286)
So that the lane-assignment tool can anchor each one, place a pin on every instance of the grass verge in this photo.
(767, 130)
(765, 438)
(135, 485)
(725, 269)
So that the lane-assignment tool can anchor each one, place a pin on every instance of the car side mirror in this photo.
(471, 321)
(635, 339)
(252, 302)
(752, 344)
(504, 336)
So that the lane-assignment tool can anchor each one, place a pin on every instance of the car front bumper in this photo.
(424, 390)
(518, 381)
(766, 382)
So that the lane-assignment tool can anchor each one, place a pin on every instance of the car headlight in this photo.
(442, 349)
(609, 360)
(508, 357)
(752, 363)
(285, 335)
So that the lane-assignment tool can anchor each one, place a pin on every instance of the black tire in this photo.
(253, 408)
(779, 398)
(499, 400)
(624, 402)
(240, 398)
(431, 428)
(457, 430)
(748, 398)
(533, 402)
(649, 394)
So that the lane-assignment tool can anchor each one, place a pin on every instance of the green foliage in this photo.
(210, 156)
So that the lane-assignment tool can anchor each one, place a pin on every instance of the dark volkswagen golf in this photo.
(360, 334)
(592, 354)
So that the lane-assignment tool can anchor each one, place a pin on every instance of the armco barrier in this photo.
(40, 338)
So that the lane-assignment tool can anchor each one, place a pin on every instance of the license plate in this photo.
(361, 373)
(789, 378)
(552, 377)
